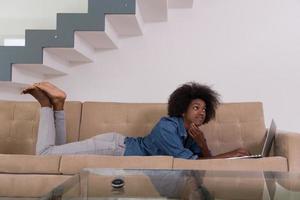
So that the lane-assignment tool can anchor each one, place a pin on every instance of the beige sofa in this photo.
(236, 125)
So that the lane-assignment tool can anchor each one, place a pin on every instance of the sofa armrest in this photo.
(287, 145)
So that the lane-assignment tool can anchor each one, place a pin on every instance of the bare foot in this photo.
(57, 96)
(39, 95)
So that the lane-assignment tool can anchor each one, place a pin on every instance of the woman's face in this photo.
(196, 112)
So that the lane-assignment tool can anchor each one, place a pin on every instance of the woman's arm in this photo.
(235, 153)
(199, 138)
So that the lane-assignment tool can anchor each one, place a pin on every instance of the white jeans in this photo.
(52, 138)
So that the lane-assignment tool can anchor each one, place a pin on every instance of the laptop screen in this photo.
(269, 139)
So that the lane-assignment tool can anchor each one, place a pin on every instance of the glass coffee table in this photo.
(177, 184)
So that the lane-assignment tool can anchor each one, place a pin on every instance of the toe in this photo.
(28, 89)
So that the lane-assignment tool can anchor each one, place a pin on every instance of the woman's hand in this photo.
(196, 134)
(235, 153)
(239, 152)
(199, 138)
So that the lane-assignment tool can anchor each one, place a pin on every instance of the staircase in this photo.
(50, 53)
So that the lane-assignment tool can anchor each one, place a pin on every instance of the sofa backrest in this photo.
(236, 124)
(132, 119)
(19, 125)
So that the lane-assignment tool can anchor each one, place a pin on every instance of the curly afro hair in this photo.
(181, 98)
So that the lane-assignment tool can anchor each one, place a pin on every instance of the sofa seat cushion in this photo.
(71, 164)
(28, 185)
(262, 164)
(29, 164)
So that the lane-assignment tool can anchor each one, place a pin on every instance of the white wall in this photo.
(248, 50)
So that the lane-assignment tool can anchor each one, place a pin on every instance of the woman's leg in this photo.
(60, 127)
(46, 130)
(103, 144)
(47, 133)
(109, 144)
(57, 98)
(52, 125)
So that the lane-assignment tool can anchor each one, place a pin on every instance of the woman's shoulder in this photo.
(169, 121)
(166, 124)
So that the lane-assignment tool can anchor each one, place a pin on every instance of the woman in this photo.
(178, 135)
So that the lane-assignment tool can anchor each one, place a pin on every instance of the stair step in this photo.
(21, 76)
(56, 63)
(27, 74)
(78, 35)
(38, 69)
(107, 39)
(80, 53)
(52, 66)
(180, 3)
(154, 10)
(71, 55)
(127, 24)
(64, 43)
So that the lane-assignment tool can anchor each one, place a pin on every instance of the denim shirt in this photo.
(168, 137)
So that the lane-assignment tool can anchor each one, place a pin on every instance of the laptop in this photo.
(267, 144)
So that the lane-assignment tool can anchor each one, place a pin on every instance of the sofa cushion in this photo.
(131, 119)
(287, 145)
(29, 164)
(29, 185)
(71, 164)
(246, 186)
(73, 117)
(19, 125)
(236, 125)
(261, 164)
